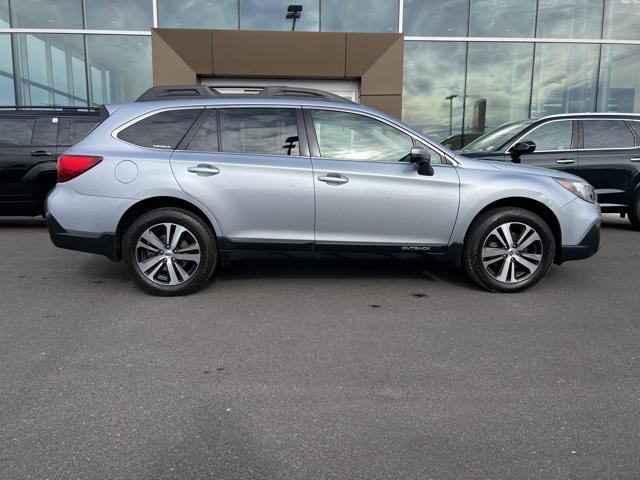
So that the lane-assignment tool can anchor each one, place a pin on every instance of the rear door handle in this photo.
(637, 159)
(565, 161)
(333, 178)
(204, 170)
(42, 153)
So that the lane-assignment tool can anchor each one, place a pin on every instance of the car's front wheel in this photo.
(170, 251)
(508, 249)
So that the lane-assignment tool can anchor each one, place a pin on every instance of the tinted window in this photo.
(206, 138)
(16, 131)
(551, 136)
(80, 128)
(356, 137)
(162, 130)
(267, 131)
(358, 16)
(607, 134)
(436, 18)
(119, 14)
(45, 131)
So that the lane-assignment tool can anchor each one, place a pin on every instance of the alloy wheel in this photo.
(512, 252)
(167, 254)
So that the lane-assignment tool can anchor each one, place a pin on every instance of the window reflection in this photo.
(119, 67)
(619, 88)
(218, 14)
(119, 14)
(502, 18)
(621, 19)
(498, 84)
(436, 18)
(564, 78)
(551, 136)
(349, 136)
(4, 13)
(432, 72)
(569, 18)
(46, 13)
(261, 15)
(50, 69)
(359, 16)
(7, 92)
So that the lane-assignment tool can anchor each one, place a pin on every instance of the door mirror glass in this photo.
(522, 148)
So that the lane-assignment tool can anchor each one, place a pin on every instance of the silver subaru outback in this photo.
(187, 177)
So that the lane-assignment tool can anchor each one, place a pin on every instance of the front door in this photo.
(249, 167)
(556, 146)
(368, 194)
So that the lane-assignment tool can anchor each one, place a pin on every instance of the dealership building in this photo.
(447, 67)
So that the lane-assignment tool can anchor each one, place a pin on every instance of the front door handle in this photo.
(204, 170)
(637, 159)
(565, 161)
(42, 153)
(333, 178)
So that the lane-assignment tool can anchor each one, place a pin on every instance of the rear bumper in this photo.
(587, 247)
(102, 244)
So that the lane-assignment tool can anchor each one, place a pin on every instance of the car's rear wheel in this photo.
(170, 251)
(634, 212)
(508, 249)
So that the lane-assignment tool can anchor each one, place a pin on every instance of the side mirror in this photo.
(522, 148)
(422, 158)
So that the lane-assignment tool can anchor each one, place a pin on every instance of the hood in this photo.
(513, 168)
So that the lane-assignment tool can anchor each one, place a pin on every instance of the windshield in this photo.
(492, 140)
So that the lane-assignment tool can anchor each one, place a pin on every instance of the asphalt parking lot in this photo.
(317, 370)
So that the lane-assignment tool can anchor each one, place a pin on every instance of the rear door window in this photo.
(601, 134)
(16, 131)
(262, 131)
(45, 132)
(161, 130)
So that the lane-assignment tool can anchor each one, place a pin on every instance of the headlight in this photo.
(579, 188)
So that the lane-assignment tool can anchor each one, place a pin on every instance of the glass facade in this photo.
(470, 65)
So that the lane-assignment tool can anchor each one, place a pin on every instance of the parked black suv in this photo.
(31, 138)
(604, 149)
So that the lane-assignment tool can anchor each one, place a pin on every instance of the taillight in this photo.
(70, 166)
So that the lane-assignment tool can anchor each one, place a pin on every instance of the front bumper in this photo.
(102, 244)
(587, 247)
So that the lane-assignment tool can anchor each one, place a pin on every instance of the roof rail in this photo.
(173, 92)
(49, 107)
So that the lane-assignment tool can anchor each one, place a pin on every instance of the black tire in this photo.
(634, 212)
(481, 230)
(196, 227)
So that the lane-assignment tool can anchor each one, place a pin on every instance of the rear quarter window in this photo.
(160, 130)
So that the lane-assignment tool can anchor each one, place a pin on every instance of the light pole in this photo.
(293, 13)
(450, 98)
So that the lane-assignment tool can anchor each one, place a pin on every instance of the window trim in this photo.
(623, 120)
(133, 121)
(573, 133)
(313, 140)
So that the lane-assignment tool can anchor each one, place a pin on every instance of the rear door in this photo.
(250, 166)
(368, 196)
(610, 160)
(16, 133)
(556, 146)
